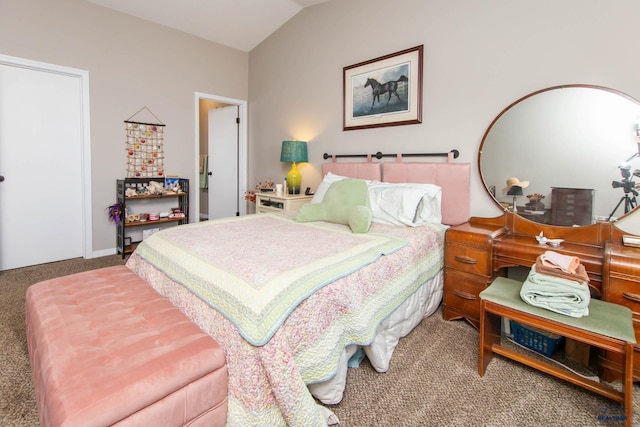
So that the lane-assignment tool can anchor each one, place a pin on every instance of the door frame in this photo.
(86, 198)
(242, 147)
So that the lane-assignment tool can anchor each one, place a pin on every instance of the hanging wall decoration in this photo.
(144, 146)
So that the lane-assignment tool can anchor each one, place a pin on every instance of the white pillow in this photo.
(430, 207)
(405, 203)
(328, 179)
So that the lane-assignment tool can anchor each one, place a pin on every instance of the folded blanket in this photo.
(556, 294)
(580, 275)
(566, 263)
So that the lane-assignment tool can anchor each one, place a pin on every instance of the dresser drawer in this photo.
(621, 285)
(467, 258)
(624, 292)
(571, 206)
(461, 294)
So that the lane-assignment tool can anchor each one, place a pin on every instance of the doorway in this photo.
(231, 195)
(223, 162)
(45, 159)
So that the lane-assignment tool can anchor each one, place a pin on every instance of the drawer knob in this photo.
(466, 259)
(632, 297)
(464, 295)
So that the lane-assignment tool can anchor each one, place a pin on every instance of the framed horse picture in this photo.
(385, 91)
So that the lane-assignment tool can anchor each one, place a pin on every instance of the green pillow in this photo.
(345, 202)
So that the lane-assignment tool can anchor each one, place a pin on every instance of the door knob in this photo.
(1, 178)
(209, 173)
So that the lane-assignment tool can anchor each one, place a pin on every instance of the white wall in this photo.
(132, 63)
(479, 57)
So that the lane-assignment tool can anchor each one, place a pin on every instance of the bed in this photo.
(288, 357)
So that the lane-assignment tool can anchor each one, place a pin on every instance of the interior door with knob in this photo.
(41, 158)
(223, 162)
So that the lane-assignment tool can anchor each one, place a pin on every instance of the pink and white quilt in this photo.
(256, 289)
(268, 382)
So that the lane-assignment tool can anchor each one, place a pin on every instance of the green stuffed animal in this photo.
(345, 202)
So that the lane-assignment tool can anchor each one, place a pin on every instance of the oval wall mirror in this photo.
(577, 148)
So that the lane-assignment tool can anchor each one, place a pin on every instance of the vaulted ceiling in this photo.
(240, 24)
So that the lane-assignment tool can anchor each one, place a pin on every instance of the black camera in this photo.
(626, 184)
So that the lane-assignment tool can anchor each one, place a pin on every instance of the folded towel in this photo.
(566, 263)
(580, 275)
(556, 294)
(204, 169)
(203, 157)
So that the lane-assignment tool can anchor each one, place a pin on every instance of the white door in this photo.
(41, 158)
(223, 162)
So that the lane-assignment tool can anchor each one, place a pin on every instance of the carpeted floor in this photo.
(432, 381)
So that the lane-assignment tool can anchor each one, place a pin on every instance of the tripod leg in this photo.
(630, 203)
(616, 208)
(627, 204)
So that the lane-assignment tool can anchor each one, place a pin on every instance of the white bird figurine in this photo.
(543, 240)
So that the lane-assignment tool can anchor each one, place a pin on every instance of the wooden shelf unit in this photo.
(182, 200)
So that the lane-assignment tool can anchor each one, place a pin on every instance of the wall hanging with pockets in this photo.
(145, 153)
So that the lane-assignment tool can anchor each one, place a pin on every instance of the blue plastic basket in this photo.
(536, 340)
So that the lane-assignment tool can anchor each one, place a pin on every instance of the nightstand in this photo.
(280, 202)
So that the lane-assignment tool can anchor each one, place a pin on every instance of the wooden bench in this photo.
(608, 326)
(107, 349)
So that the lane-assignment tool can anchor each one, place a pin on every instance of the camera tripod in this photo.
(629, 203)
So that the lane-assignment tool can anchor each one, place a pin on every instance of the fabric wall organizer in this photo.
(144, 147)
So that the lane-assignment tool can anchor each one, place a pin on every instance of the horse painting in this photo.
(378, 89)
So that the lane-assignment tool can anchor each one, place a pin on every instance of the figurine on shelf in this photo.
(535, 202)
(174, 187)
(130, 192)
(544, 240)
(155, 187)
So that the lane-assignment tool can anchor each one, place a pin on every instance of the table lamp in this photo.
(294, 151)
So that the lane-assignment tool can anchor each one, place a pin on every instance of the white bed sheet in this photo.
(423, 303)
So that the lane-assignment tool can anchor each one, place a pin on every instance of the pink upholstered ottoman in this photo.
(107, 349)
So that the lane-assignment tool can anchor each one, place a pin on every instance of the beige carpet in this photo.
(432, 381)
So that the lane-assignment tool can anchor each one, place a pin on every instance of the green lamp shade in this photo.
(294, 151)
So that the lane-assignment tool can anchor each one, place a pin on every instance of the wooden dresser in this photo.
(621, 285)
(468, 260)
(482, 249)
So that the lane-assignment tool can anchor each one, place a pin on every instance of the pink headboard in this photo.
(453, 178)
(368, 170)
